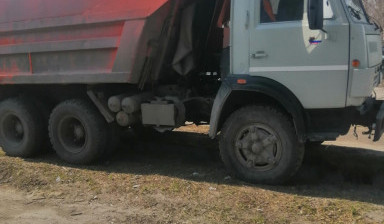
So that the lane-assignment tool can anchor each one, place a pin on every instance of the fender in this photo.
(264, 86)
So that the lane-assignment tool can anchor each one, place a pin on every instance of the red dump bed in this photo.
(78, 41)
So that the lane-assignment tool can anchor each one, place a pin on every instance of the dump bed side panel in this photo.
(76, 41)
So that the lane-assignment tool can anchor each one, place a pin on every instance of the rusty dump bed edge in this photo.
(78, 41)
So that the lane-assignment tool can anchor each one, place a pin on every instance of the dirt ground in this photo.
(178, 178)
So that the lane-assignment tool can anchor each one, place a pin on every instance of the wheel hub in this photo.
(258, 147)
(19, 128)
(12, 129)
(72, 134)
(79, 132)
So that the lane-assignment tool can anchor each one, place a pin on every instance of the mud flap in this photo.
(379, 129)
(221, 98)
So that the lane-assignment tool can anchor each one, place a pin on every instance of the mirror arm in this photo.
(324, 31)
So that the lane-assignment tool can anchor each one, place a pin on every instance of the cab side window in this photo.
(281, 10)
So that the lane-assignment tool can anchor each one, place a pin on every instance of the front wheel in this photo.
(259, 145)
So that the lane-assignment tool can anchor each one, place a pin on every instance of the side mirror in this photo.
(316, 14)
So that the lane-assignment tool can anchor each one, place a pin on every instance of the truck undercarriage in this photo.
(94, 73)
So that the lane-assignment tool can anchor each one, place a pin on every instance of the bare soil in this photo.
(178, 177)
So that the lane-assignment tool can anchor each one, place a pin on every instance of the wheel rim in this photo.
(72, 134)
(258, 147)
(12, 129)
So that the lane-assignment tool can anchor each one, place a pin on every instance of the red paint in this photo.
(8, 69)
(83, 19)
(70, 33)
(14, 12)
(52, 36)
(30, 63)
(225, 13)
(6, 78)
(111, 62)
(27, 10)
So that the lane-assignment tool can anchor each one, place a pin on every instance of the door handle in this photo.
(259, 55)
(247, 20)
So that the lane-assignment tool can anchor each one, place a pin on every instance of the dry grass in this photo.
(184, 187)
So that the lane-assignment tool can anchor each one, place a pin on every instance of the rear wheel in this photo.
(78, 132)
(259, 145)
(21, 127)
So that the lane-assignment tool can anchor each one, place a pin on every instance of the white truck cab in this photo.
(300, 71)
(335, 67)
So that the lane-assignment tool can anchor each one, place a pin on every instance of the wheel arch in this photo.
(257, 90)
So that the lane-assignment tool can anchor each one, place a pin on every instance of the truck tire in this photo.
(259, 145)
(21, 127)
(78, 132)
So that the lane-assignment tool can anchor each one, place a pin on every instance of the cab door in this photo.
(313, 64)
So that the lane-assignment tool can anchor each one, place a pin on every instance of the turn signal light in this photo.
(241, 81)
(356, 63)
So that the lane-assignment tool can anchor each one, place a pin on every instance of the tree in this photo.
(375, 9)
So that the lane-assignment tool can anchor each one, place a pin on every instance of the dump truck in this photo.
(268, 76)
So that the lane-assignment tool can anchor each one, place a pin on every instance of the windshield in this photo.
(356, 9)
